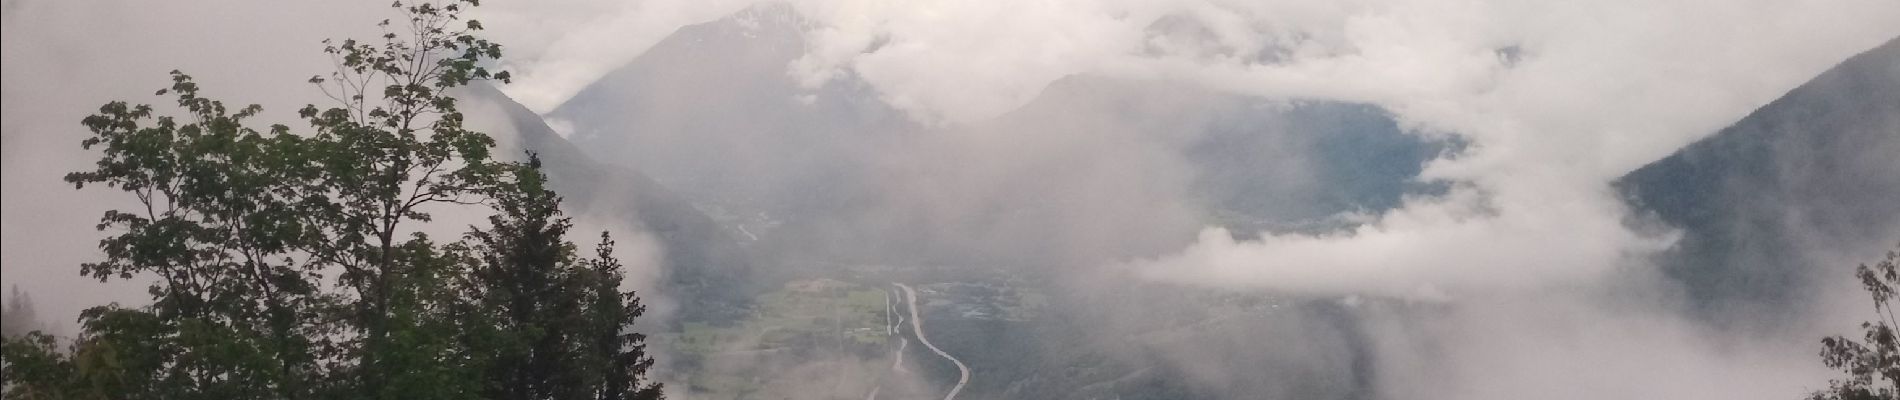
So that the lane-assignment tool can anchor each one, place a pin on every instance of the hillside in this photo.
(704, 268)
(1807, 182)
(824, 178)
(832, 173)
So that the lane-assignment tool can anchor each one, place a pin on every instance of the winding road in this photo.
(902, 343)
(917, 327)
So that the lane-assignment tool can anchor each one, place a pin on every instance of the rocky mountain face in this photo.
(1802, 188)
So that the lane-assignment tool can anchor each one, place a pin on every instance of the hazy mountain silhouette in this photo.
(713, 112)
(1808, 181)
(704, 269)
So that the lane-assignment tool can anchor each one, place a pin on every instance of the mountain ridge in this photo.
(702, 266)
(1805, 182)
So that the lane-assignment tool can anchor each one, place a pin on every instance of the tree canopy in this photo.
(290, 265)
(1872, 364)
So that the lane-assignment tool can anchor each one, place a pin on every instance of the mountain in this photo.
(712, 111)
(1801, 188)
(833, 173)
(703, 268)
(829, 182)
(1764, 206)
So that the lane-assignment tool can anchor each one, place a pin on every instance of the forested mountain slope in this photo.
(1806, 182)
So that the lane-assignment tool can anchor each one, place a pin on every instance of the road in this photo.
(891, 321)
(917, 327)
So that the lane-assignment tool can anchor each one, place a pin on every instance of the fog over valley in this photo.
(1078, 199)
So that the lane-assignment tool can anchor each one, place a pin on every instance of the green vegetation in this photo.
(289, 266)
(1010, 299)
(835, 328)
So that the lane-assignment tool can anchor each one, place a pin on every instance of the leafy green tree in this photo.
(34, 369)
(1873, 363)
(288, 266)
(234, 310)
(394, 147)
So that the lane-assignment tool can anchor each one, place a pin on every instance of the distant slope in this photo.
(834, 173)
(704, 269)
(1811, 180)
(1091, 169)
(713, 112)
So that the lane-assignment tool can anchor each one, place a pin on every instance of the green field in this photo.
(806, 328)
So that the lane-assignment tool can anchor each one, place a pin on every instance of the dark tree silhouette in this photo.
(19, 317)
(1872, 364)
(559, 322)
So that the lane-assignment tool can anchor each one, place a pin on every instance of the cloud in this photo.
(1575, 345)
(1424, 249)
(1553, 98)
(1583, 95)
(555, 48)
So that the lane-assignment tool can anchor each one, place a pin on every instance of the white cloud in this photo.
(1587, 92)
(1424, 249)
(556, 48)
(1600, 89)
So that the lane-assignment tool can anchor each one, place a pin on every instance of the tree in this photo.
(19, 317)
(561, 319)
(611, 313)
(287, 266)
(526, 280)
(1873, 363)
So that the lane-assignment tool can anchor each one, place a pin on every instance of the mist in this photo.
(1210, 199)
